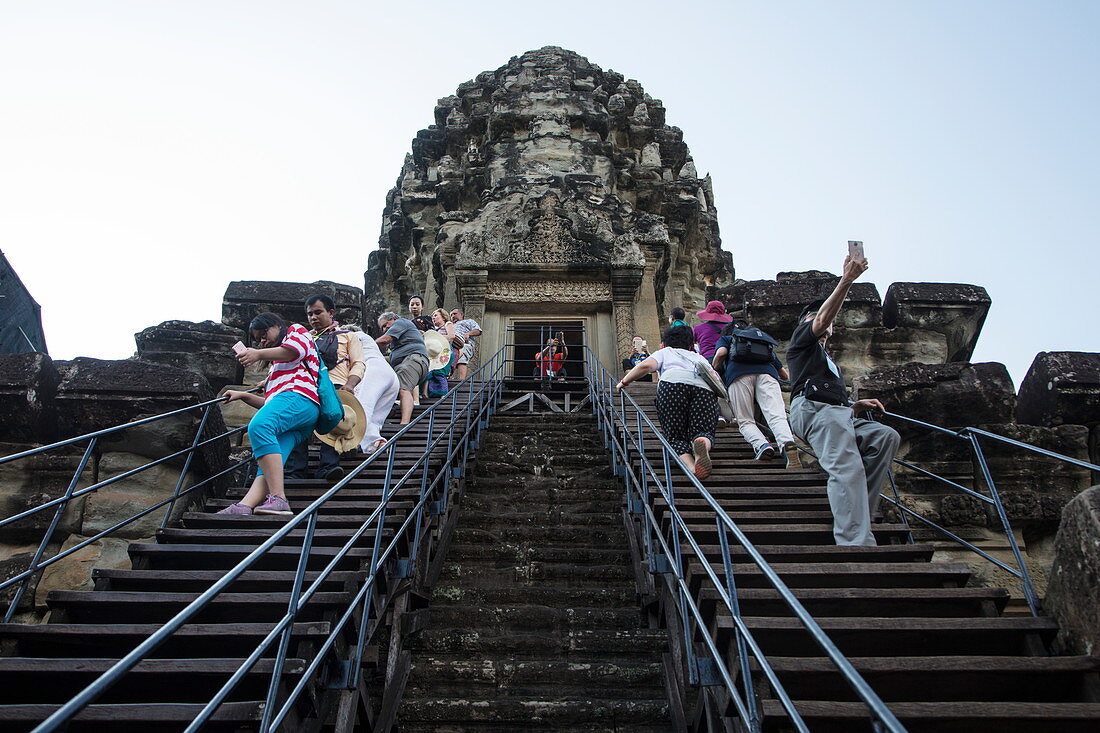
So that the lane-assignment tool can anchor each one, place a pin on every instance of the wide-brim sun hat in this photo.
(439, 351)
(349, 432)
(715, 311)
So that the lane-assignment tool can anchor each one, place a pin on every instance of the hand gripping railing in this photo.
(61, 504)
(971, 436)
(664, 555)
(482, 392)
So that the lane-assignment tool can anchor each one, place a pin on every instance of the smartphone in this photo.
(855, 250)
(238, 348)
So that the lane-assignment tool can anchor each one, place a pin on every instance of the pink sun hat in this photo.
(715, 311)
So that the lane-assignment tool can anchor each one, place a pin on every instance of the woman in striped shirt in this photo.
(288, 411)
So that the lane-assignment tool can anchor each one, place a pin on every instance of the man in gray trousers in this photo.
(856, 453)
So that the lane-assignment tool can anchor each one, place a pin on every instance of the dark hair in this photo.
(418, 297)
(325, 301)
(679, 337)
(678, 314)
(265, 321)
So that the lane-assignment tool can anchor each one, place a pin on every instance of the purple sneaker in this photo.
(236, 509)
(273, 505)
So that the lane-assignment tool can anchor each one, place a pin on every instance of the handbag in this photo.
(332, 411)
(706, 372)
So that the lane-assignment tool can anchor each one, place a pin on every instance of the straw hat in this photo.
(715, 311)
(349, 432)
(439, 351)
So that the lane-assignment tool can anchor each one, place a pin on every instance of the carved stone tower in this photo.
(550, 188)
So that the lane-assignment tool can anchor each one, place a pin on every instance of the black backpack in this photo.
(752, 346)
(327, 346)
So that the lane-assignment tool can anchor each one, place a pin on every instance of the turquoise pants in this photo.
(284, 421)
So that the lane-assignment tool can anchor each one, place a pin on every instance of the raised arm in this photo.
(831, 307)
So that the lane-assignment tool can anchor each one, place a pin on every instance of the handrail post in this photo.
(897, 499)
(1029, 588)
(751, 701)
(424, 490)
(186, 465)
(292, 611)
(58, 513)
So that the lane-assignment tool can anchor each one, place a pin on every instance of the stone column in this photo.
(624, 293)
(471, 295)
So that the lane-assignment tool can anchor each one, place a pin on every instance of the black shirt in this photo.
(806, 359)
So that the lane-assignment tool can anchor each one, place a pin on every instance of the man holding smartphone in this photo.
(856, 453)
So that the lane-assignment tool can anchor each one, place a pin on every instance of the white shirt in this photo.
(678, 366)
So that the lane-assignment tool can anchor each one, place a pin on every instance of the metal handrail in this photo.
(61, 504)
(476, 411)
(971, 436)
(627, 443)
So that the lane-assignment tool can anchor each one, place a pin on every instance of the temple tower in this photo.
(550, 190)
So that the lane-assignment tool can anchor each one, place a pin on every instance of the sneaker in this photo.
(765, 451)
(334, 475)
(273, 505)
(702, 458)
(236, 509)
(794, 458)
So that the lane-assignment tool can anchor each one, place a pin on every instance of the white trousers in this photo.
(376, 393)
(764, 390)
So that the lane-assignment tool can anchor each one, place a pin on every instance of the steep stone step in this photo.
(524, 553)
(531, 617)
(916, 679)
(98, 607)
(945, 717)
(450, 676)
(644, 642)
(490, 573)
(544, 594)
(846, 601)
(583, 536)
(538, 517)
(864, 637)
(535, 713)
(37, 681)
(115, 640)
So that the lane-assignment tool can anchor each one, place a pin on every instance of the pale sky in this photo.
(151, 152)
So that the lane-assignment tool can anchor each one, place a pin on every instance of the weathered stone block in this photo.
(774, 306)
(75, 571)
(119, 501)
(30, 482)
(953, 309)
(16, 559)
(28, 383)
(1061, 387)
(204, 348)
(950, 395)
(245, 299)
(859, 350)
(1073, 595)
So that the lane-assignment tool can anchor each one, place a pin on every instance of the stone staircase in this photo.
(938, 651)
(534, 623)
(44, 665)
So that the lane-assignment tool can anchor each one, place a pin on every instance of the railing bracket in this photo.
(709, 675)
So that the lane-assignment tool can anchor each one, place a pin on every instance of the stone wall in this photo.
(49, 401)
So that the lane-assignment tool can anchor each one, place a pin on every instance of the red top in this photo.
(550, 365)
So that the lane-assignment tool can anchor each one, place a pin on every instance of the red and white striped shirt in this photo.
(300, 373)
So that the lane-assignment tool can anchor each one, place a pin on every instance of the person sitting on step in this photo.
(288, 410)
(686, 407)
(856, 453)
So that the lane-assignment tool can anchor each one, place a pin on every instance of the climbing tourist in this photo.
(436, 384)
(408, 357)
(468, 329)
(687, 408)
(376, 392)
(709, 331)
(856, 453)
(677, 317)
(288, 410)
(342, 354)
(752, 373)
(416, 313)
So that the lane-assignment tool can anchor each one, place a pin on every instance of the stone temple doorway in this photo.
(530, 335)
